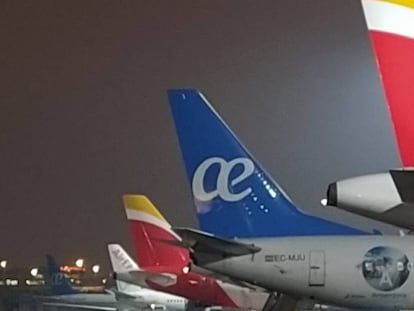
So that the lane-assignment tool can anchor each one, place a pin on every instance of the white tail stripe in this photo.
(145, 217)
(389, 17)
(120, 259)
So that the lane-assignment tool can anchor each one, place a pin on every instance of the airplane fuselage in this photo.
(363, 271)
(143, 298)
(208, 291)
(86, 298)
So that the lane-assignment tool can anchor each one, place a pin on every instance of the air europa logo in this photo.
(223, 182)
(56, 279)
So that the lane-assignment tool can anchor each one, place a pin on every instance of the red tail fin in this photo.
(152, 236)
(391, 27)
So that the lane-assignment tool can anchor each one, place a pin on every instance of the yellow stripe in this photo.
(406, 3)
(142, 204)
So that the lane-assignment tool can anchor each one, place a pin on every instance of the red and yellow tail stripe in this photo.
(150, 232)
(140, 208)
(391, 27)
(152, 236)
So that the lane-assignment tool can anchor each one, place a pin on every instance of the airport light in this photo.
(79, 262)
(96, 268)
(34, 272)
(324, 202)
(3, 264)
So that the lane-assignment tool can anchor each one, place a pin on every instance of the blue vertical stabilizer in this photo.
(59, 284)
(234, 195)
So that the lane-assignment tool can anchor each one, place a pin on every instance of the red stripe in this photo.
(151, 247)
(196, 287)
(154, 255)
(395, 55)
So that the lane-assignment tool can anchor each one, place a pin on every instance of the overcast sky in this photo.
(84, 116)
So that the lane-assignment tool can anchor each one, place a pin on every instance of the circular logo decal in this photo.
(385, 268)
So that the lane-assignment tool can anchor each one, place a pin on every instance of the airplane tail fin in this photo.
(391, 28)
(59, 284)
(122, 263)
(154, 240)
(233, 194)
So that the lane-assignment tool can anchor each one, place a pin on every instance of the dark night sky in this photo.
(84, 116)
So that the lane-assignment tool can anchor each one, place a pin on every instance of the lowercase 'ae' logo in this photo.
(385, 268)
(222, 182)
(57, 279)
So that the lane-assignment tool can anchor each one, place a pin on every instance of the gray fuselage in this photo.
(362, 271)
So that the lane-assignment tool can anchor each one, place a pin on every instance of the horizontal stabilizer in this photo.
(141, 278)
(119, 295)
(78, 306)
(204, 242)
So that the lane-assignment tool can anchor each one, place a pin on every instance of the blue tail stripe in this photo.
(234, 196)
(59, 284)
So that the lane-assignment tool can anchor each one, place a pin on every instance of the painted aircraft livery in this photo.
(278, 247)
(386, 268)
(391, 27)
(228, 183)
(124, 297)
(164, 263)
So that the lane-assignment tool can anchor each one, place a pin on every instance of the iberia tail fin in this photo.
(391, 27)
(154, 240)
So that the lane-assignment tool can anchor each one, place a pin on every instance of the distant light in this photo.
(12, 282)
(104, 281)
(96, 268)
(79, 262)
(34, 272)
(186, 269)
(324, 202)
(3, 264)
(70, 269)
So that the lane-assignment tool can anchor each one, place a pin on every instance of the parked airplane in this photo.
(164, 263)
(128, 297)
(122, 263)
(388, 197)
(236, 198)
(65, 295)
